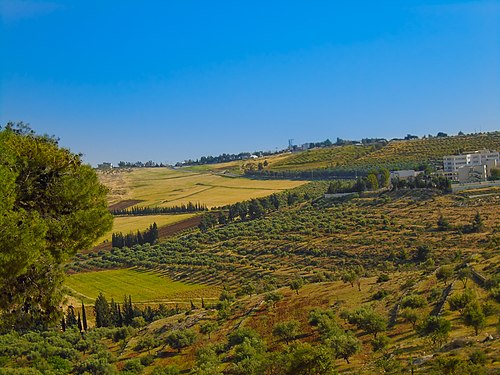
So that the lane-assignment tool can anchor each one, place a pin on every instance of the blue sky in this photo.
(171, 80)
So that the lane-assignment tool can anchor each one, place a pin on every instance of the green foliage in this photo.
(444, 273)
(305, 359)
(208, 327)
(436, 328)
(382, 278)
(474, 317)
(380, 343)
(238, 336)
(423, 253)
(324, 320)
(464, 274)
(287, 330)
(343, 344)
(296, 284)
(410, 316)
(458, 302)
(133, 366)
(380, 294)
(272, 298)
(207, 362)
(443, 224)
(367, 319)
(181, 339)
(167, 370)
(413, 301)
(51, 206)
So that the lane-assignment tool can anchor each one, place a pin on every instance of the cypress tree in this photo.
(120, 318)
(79, 322)
(63, 324)
(84, 318)
(71, 317)
(101, 308)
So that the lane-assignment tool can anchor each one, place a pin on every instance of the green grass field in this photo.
(141, 285)
(166, 187)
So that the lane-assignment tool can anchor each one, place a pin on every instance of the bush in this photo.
(382, 293)
(478, 357)
(383, 278)
(413, 301)
(133, 366)
(380, 343)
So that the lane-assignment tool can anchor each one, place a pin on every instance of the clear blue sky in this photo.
(170, 80)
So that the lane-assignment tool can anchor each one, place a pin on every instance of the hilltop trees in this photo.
(51, 205)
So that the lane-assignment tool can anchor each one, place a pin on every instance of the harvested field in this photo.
(124, 204)
(173, 229)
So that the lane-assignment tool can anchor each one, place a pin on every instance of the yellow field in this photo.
(126, 224)
(166, 187)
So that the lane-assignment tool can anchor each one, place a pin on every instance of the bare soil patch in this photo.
(124, 204)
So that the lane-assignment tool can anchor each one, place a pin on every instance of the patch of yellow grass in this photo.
(127, 224)
(167, 187)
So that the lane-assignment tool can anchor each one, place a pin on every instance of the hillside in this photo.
(397, 154)
(393, 234)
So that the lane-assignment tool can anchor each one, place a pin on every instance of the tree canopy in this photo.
(51, 206)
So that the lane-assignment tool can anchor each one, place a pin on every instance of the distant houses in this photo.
(105, 166)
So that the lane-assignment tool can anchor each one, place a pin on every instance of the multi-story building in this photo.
(453, 162)
(470, 166)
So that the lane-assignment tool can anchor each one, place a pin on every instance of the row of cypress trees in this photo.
(150, 236)
(155, 210)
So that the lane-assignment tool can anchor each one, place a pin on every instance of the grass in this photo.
(126, 224)
(167, 187)
(141, 285)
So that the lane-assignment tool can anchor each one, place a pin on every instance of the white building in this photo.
(404, 174)
(474, 173)
(471, 166)
(105, 165)
(452, 163)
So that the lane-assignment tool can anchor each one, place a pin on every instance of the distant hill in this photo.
(397, 154)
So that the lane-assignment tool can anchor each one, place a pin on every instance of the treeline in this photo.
(423, 181)
(315, 174)
(140, 164)
(143, 211)
(223, 158)
(380, 179)
(113, 314)
(150, 236)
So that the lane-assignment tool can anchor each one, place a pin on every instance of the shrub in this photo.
(383, 278)
(413, 301)
(382, 293)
